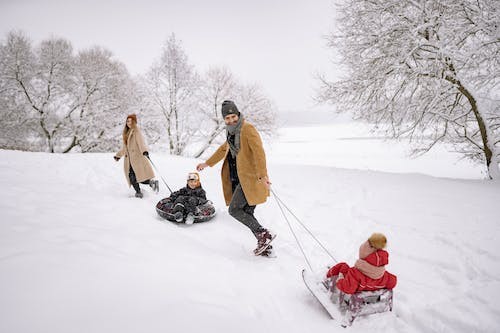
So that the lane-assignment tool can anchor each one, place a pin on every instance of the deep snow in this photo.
(78, 253)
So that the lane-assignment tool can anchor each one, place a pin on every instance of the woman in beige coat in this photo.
(136, 164)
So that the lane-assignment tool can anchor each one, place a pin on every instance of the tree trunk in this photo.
(170, 141)
(50, 143)
(214, 135)
(71, 145)
(491, 161)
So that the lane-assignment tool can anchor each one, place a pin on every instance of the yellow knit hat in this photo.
(377, 240)
(194, 176)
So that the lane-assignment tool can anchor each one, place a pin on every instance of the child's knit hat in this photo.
(378, 241)
(194, 176)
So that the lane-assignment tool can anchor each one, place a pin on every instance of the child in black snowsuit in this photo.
(186, 200)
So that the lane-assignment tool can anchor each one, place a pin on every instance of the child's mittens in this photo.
(330, 273)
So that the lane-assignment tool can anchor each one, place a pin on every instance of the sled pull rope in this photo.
(280, 202)
(291, 229)
(158, 172)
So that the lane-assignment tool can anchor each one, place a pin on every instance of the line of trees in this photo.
(423, 69)
(54, 100)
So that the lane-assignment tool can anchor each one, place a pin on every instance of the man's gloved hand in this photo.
(116, 158)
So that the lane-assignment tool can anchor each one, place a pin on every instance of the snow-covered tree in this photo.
(172, 83)
(16, 118)
(101, 97)
(424, 69)
(37, 78)
(55, 101)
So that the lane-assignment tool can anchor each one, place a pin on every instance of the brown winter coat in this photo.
(250, 164)
(133, 156)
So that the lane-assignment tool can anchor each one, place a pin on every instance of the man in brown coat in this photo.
(244, 174)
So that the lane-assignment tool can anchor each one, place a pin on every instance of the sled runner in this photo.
(344, 306)
(319, 292)
(204, 212)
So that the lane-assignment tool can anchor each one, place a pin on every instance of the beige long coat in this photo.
(250, 163)
(133, 156)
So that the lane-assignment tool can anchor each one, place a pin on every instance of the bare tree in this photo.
(423, 69)
(220, 84)
(172, 83)
(258, 108)
(217, 85)
(150, 118)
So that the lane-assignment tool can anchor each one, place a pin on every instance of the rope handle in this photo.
(158, 172)
(280, 204)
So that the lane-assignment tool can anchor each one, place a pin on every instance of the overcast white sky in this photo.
(277, 43)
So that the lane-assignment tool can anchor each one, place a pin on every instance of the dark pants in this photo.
(243, 212)
(188, 203)
(133, 180)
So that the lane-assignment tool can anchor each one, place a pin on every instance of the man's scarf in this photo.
(234, 130)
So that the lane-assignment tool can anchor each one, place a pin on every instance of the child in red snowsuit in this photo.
(368, 272)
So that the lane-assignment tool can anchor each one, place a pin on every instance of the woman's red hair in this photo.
(126, 129)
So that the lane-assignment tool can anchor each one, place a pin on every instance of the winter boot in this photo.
(332, 287)
(178, 208)
(190, 218)
(155, 185)
(138, 194)
(264, 238)
(178, 216)
(268, 252)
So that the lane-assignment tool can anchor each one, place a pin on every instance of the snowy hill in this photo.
(78, 253)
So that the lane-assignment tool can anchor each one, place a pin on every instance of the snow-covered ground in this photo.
(78, 253)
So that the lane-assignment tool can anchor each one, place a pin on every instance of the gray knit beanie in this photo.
(228, 107)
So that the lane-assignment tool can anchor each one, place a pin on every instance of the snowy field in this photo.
(78, 253)
(351, 146)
